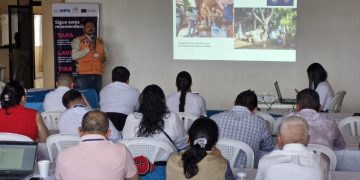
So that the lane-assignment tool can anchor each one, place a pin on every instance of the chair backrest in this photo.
(187, 119)
(277, 124)
(151, 148)
(270, 121)
(14, 137)
(51, 119)
(336, 103)
(230, 149)
(320, 149)
(353, 122)
(57, 142)
(2, 85)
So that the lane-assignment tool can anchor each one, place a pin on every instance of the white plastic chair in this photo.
(14, 137)
(51, 119)
(277, 125)
(153, 149)
(353, 122)
(270, 121)
(230, 149)
(187, 119)
(57, 142)
(336, 103)
(320, 149)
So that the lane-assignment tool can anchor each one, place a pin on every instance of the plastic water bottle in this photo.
(241, 176)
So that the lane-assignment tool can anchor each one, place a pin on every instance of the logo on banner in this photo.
(91, 10)
(75, 10)
(88, 10)
(65, 10)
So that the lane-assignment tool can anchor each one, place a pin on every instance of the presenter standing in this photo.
(88, 52)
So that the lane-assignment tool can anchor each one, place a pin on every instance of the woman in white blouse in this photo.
(184, 100)
(154, 120)
(318, 81)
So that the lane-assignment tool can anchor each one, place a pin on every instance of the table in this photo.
(35, 98)
(276, 105)
(348, 160)
(338, 116)
(51, 171)
(334, 175)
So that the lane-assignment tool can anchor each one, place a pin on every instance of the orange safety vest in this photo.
(90, 64)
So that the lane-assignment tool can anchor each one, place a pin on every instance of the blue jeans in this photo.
(89, 81)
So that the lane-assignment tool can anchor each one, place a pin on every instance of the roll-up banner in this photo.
(68, 21)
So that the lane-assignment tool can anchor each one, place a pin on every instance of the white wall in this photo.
(138, 35)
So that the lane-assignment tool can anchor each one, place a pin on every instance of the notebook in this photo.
(17, 159)
(282, 100)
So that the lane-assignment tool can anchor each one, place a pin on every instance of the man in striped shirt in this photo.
(241, 123)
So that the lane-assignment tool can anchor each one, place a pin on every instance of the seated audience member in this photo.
(241, 123)
(118, 99)
(184, 100)
(154, 120)
(15, 118)
(323, 129)
(53, 99)
(70, 120)
(95, 157)
(202, 157)
(318, 81)
(293, 161)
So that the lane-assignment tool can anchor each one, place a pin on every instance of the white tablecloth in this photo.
(334, 175)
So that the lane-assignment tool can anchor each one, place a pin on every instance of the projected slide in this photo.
(235, 30)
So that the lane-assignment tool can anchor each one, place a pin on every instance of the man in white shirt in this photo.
(293, 161)
(70, 120)
(118, 99)
(53, 99)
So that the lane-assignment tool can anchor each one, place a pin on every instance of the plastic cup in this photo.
(44, 167)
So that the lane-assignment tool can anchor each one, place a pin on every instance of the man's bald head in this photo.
(65, 79)
(293, 129)
(95, 122)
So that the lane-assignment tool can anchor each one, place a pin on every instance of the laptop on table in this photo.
(17, 159)
(282, 100)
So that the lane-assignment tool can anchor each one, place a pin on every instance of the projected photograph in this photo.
(204, 18)
(265, 28)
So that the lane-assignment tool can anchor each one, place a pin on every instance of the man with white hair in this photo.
(293, 160)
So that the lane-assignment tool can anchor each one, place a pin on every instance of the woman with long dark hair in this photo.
(201, 160)
(318, 81)
(154, 120)
(15, 118)
(184, 100)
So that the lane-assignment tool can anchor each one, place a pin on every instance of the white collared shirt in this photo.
(326, 94)
(294, 162)
(53, 99)
(172, 126)
(71, 119)
(194, 103)
(119, 97)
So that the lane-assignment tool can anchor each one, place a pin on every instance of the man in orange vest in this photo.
(88, 52)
